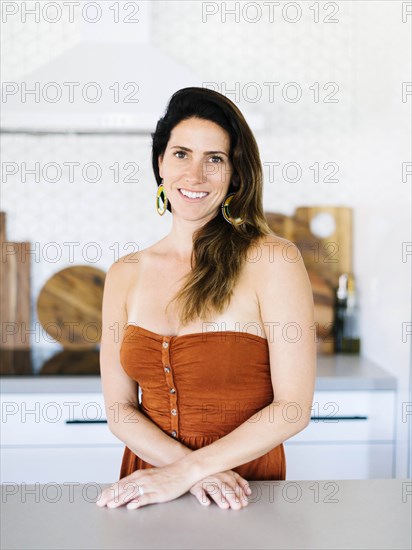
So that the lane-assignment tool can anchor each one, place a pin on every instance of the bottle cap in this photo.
(351, 291)
(342, 291)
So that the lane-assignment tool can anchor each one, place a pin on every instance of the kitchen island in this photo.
(358, 444)
(332, 514)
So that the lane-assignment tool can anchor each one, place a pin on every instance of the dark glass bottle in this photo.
(341, 295)
(351, 338)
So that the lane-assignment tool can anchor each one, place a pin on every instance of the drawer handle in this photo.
(86, 421)
(332, 418)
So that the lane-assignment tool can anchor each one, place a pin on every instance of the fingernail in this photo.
(132, 505)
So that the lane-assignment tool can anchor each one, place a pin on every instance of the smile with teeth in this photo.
(191, 195)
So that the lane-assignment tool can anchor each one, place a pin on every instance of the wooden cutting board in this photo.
(2, 227)
(331, 255)
(324, 237)
(69, 306)
(15, 291)
(323, 298)
(15, 361)
(328, 255)
(73, 362)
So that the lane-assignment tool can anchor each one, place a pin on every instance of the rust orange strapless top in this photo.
(199, 387)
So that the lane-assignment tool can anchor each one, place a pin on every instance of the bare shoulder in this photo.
(278, 267)
(126, 270)
(123, 274)
(271, 251)
(125, 267)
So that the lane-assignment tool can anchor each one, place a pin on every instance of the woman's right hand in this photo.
(228, 489)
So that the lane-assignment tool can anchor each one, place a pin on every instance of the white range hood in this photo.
(93, 86)
(112, 80)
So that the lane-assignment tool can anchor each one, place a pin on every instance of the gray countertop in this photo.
(345, 514)
(334, 373)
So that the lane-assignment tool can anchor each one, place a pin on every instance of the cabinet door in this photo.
(61, 464)
(55, 419)
(338, 461)
(348, 416)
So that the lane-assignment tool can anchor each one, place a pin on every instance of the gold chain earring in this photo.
(225, 211)
(161, 191)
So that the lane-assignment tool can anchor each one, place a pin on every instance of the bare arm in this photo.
(124, 418)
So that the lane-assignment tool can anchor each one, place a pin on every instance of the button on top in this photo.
(172, 390)
(167, 369)
(165, 344)
(174, 412)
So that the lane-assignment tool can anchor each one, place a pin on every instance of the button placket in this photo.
(167, 367)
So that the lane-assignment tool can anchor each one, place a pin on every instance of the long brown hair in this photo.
(219, 248)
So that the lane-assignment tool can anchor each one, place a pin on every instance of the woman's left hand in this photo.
(158, 484)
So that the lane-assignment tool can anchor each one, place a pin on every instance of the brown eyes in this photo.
(220, 159)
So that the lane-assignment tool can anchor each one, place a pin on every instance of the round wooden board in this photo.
(73, 362)
(69, 306)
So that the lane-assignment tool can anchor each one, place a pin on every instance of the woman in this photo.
(214, 322)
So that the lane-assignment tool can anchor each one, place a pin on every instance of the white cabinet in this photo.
(61, 464)
(351, 436)
(63, 437)
(57, 438)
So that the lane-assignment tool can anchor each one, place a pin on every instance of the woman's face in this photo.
(196, 159)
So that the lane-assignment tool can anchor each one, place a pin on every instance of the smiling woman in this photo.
(216, 404)
(225, 164)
